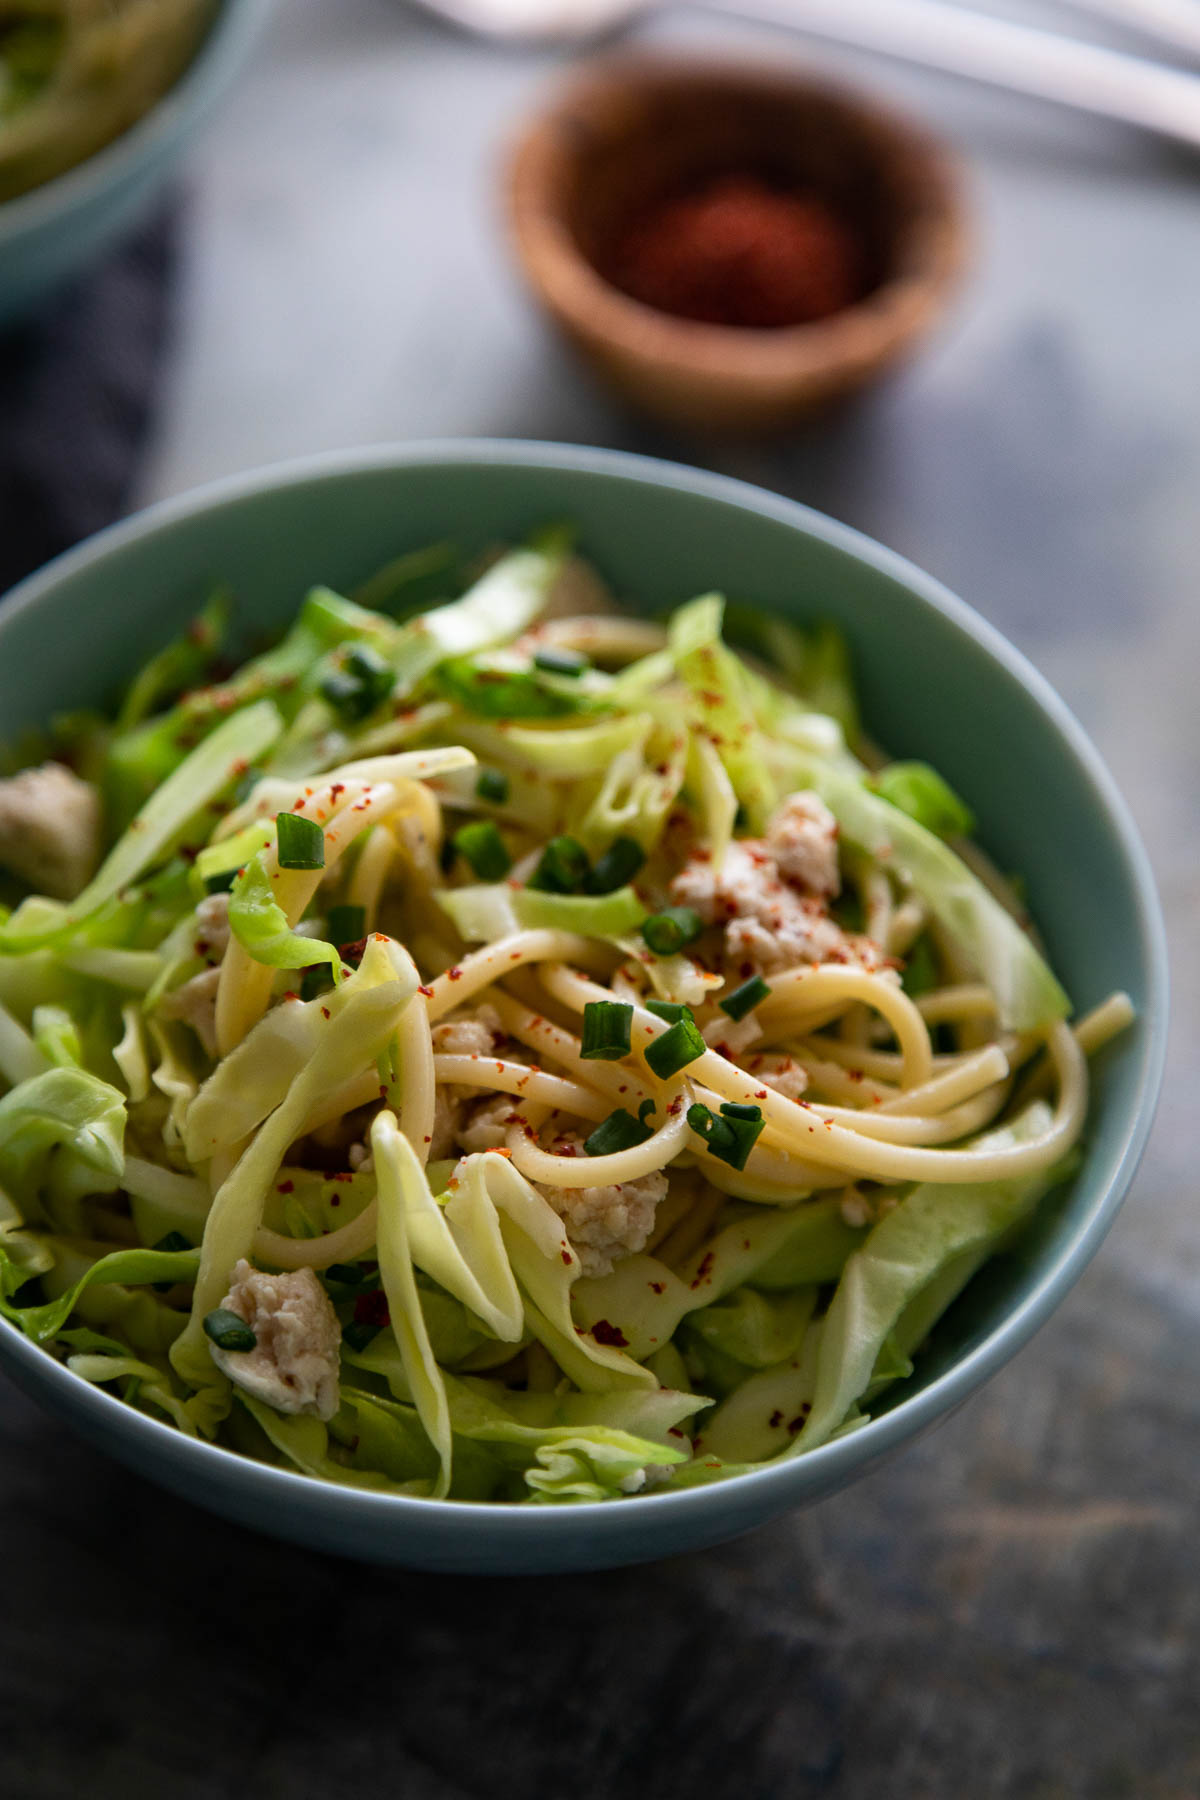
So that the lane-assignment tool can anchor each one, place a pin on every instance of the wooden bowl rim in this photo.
(855, 337)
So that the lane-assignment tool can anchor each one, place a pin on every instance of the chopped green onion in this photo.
(729, 1138)
(676, 1048)
(619, 864)
(744, 999)
(358, 1334)
(228, 1330)
(174, 1240)
(492, 785)
(301, 842)
(221, 883)
(492, 692)
(740, 1109)
(560, 662)
(346, 924)
(483, 847)
(607, 1025)
(670, 1010)
(562, 869)
(363, 682)
(668, 931)
(620, 1131)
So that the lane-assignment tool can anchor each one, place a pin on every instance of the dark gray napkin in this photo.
(77, 390)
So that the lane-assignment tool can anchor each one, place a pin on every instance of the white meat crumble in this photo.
(195, 1001)
(50, 825)
(459, 1122)
(772, 894)
(294, 1365)
(605, 1224)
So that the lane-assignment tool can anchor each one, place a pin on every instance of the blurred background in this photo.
(1011, 1609)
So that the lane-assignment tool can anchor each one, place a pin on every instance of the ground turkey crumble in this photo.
(195, 1002)
(772, 895)
(604, 1224)
(50, 827)
(294, 1365)
(458, 1109)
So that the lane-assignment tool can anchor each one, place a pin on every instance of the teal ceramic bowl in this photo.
(937, 682)
(54, 231)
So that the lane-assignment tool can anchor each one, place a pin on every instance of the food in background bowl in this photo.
(508, 1052)
(75, 74)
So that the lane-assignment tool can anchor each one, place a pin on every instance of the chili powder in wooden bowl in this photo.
(733, 248)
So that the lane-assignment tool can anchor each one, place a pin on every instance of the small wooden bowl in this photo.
(630, 131)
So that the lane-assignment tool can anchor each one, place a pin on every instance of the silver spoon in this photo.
(1022, 58)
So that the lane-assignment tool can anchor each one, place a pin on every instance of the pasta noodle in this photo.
(632, 1042)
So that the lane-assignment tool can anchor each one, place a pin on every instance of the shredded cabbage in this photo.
(622, 1100)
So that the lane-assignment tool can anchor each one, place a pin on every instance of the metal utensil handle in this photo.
(1086, 76)
(1175, 22)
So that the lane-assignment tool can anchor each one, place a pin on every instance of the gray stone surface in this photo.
(1011, 1610)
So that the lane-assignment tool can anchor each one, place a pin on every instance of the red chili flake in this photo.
(775, 1420)
(612, 1335)
(383, 1093)
(797, 1422)
(372, 1309)
(704, 1272)
(335, 1199)
(674, 1431)
(325, 1013)
(854, 1074)
(425, 992)
(338, 787)
(201, 946)
(285, 1187)
(745, 1243)
(659, 1287)
(298, 806)
(290, 996)
(567, 1258)
(760, 1093)
(454, 974)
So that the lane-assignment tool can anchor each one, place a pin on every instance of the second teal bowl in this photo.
(936, 682)
(55, 230)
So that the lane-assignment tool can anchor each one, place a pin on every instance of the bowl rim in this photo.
(570, 284)
(231, 34)
(210, 1468)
